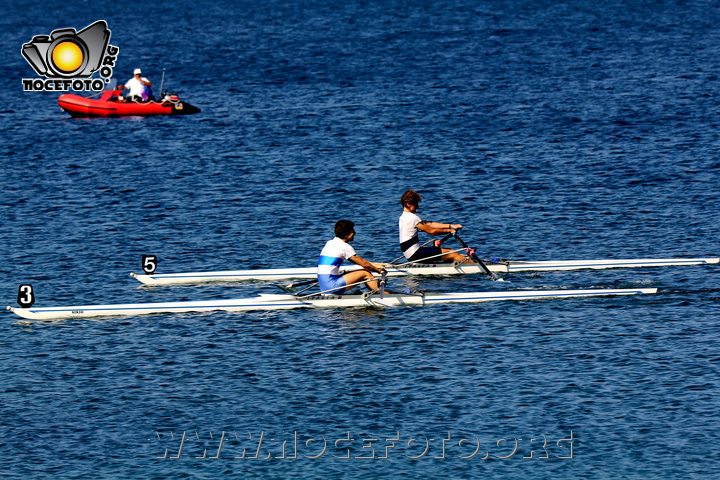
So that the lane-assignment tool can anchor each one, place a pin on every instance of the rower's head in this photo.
(345, 230)
(410, 199)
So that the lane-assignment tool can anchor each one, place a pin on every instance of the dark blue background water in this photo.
(550, 130)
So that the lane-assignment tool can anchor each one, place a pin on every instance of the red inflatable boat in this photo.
(109, 106)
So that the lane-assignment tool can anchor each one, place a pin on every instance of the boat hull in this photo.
(415, 269)
(78, 106)
(288, 302)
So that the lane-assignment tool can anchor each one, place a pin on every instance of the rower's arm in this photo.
(436, 228)
(370, 267)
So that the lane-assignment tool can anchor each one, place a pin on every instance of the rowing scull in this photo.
(287, 302)
(409, 269)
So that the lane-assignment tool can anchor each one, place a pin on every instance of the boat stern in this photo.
(182, 108)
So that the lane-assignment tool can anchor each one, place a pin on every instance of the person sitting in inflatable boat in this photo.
(139, 87)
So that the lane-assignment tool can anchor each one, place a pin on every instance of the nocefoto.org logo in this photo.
(67, 59)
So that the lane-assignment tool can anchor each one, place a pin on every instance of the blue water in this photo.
(579, 130)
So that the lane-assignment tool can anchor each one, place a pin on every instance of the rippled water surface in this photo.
(551, 131)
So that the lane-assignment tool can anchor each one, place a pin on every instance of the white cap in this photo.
(137, 72)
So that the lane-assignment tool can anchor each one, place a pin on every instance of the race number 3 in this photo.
(149, 264)
(26, 296)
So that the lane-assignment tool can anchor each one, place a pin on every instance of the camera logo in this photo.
(66, 56)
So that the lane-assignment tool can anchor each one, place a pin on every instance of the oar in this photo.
(471, 254)
(436, 243)
(292, 287)
(444, 239)
(403, 255)
(361, 282)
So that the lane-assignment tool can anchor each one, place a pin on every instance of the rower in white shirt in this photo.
(332, 256)
(410, 223)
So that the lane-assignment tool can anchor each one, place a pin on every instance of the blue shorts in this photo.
(335, 283)
(424, 253)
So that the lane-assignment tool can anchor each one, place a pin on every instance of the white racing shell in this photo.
(286, 302)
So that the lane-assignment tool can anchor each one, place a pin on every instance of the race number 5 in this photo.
(26, 296)
(149, 264)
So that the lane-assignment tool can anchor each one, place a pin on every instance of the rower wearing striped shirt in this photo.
(332, 256)
(410, 223)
